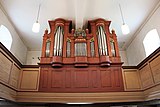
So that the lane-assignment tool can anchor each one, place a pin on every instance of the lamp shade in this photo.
(125, 29)
(36, 27)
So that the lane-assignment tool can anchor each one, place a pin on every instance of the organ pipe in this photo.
(113, 48)
(58, 41)
(99, 42)
(92, 48)
(85, 51)
(58, 35)
(48, 43)
(105, 45)
(102, 41)
(55, 43)
(75, 49)
(80, 49)
(61, 39)
(68, 48)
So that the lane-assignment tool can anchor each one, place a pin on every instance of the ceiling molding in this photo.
(141, 27)
(13, 26)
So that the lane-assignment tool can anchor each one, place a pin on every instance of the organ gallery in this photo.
(79, 65)
(80, 60)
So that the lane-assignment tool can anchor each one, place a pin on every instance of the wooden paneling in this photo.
(67, 79)
(9, 70)
(106, 78)
(5, 67)
(57, 79)
(131, 80)
(81, 79)
(29, 80)
(14, 76)
(152, 93)
(71, 79)
(155, 67)
(7, 93)
(95, 82)
(117, 76)
(146, 76)
(108, 97)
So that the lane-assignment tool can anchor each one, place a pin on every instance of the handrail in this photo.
(10, 55)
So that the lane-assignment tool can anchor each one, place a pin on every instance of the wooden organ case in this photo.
(80, 60)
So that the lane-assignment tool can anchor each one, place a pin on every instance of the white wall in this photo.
(32, 57)
(124, 58)
(18, 48)
(135, 51)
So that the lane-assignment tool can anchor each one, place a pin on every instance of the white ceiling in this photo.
(23, 13)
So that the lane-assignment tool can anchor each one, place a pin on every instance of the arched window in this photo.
(151, 42)
(5, 37)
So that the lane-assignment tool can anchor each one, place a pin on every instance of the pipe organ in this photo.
(81, 60)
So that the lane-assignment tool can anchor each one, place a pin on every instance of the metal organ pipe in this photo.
(99, 42)
(92, 48)
(85, 50)
(68, 48)
(58, 33)
(58, 41)
(79, 49)
(82, 49)
(75, 49)
(61, 41)
(55, 43)
(102, 41)
(105, 45)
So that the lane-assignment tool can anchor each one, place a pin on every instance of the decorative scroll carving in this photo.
(80, 32)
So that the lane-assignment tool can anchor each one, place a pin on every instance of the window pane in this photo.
(151, 42)
(5, 37)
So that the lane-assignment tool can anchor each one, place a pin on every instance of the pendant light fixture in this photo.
(124, 27)
(36, 25)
